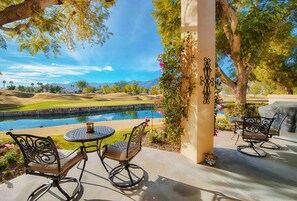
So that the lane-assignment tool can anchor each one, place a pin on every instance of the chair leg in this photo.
(129, 174)
(117, 170)
(62, 191)
(65, 180)
(251, 145)
(274, 145)
(40, 191)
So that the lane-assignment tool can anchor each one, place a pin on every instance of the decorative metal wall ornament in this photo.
(207, 81)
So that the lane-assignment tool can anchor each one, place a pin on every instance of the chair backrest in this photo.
(135, 137)
(257, 124)
(279, 120)
(36, 149)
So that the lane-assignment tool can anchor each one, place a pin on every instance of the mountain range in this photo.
(146, 84)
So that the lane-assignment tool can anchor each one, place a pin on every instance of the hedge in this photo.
(234, 109)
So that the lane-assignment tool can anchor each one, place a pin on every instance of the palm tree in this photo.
(39, 83)
(81, 84)
(32, 84)
(11, 82)
(4, 82)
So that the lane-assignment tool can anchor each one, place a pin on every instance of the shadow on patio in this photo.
(171, 176)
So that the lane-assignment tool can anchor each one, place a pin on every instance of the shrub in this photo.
(155, 137)
(223, 124)
(3, 151)
(10, 160)
(3, 165)
(11, 87)
(234, 109)
(8, 174)
(11, 156)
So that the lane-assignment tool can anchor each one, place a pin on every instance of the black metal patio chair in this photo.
(274, 131)
(42, 158)
(123, 152)
(254, 130)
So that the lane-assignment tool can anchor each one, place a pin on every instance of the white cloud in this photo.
(108, 68)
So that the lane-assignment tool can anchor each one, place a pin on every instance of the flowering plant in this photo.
(217, 101)
(146, 119)
(177, 65)
(9, 146)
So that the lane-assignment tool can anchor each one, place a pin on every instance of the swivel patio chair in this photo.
(123, 152)
(42, 158)
(274, 131)
(254, 130)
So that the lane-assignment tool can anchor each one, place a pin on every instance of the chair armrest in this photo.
(82, 150)
(105, 146)
(125, 135)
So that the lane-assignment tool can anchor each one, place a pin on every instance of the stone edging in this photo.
(80, 110)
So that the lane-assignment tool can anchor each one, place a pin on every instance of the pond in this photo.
(17, 123)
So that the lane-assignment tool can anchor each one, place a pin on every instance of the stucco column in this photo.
(198, 17)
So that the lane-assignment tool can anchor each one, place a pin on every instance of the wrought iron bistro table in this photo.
(237, 122)
(81, 135)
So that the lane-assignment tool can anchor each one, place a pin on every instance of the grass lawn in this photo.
(63, 144)
(74, 103)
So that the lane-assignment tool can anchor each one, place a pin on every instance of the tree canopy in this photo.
(44, 25)
(167, 16)
(81, 84)
(278, 66)
(246, 30)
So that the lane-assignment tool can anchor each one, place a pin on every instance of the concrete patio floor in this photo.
(171, 176)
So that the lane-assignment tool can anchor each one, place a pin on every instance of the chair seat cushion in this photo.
(255, 136)
(65, 162)
(118, 151)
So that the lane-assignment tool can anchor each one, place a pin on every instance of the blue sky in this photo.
(130, 54)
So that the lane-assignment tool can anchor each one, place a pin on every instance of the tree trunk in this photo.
(240, 92)
(24, 10)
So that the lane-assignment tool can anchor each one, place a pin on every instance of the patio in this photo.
(171, 176)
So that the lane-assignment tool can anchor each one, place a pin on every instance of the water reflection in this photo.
(17, 123)
(82, 119)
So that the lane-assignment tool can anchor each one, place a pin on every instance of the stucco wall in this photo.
(285, 98)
